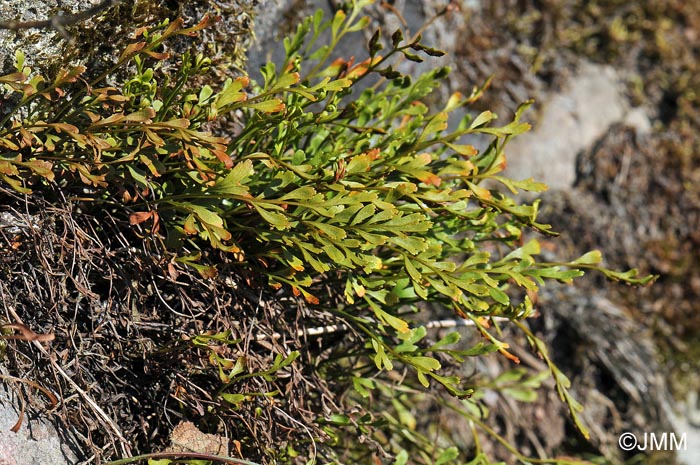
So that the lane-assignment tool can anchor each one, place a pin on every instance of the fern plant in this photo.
(314, 185)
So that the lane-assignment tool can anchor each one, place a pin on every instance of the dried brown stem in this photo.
(59, 21)
(27, 333)
(46, 392)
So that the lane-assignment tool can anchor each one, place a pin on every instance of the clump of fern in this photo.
(319, 186)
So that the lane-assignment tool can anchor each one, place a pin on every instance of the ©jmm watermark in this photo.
(652, 442)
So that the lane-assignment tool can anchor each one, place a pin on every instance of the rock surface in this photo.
(571, 121)
(37, 440)
(40, 45)
(186, 437)
(102, 37)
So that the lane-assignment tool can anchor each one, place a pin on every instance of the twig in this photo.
(59, 20)
(185, 455)
(46, 392)
(27, 333)
(342, 327)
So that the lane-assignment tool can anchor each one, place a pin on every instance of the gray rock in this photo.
(570, 122)
(684, 421)
(41, 46)
(103, 36)
(610, 359)
(36, 442)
